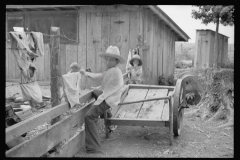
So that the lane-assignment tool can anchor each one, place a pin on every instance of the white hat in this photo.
(136, 57)
(113, 51)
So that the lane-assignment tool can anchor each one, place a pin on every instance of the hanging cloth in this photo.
(39, 45)
(72, 83)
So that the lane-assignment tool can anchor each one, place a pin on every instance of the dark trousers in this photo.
(92, 139)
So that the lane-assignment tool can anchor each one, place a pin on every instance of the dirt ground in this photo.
(198, 138)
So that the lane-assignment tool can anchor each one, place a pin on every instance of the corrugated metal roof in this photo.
(163, 16)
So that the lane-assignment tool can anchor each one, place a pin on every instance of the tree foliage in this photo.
(210, 13)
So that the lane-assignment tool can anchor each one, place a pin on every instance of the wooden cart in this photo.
(151, 105)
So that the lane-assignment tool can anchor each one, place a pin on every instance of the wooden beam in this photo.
(55, 82)
(45, 141)
(31, 123)
(136, 122)
(151, 86)
(146, 100)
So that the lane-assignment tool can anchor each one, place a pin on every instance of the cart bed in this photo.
(154, 110)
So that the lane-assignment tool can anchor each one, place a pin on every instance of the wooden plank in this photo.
(31, 123)
(132, 109)
(62, 59)
(97, 44)
(91, 57)
(72, 147)
(137, 86)
(145, 52)
(165, 51)
(105, 35)
(155, 52)
(54, 65)
(172, 47)
(109, 8)
(134, 29)
(6, 60)
(82, 50)
(159, 48)
(124, 34)
(196, 50)
(153, 109)
(136, 122)
(165, 113)
(68, 57)
(114, 37)
(12, 66)
(51, 137)
(151, 43)
(204, 53)
(47, 62)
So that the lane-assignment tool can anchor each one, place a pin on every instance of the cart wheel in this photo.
(178, 102)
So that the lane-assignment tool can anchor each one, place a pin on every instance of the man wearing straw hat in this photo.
(108, 96)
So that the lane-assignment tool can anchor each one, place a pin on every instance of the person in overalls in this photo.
(107, 96)
(135, 70)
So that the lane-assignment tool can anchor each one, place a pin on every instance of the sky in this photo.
(181, 15)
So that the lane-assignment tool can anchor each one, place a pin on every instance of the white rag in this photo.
(72, 83)
(112, 87)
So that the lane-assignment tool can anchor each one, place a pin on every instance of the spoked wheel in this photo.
(179, 103)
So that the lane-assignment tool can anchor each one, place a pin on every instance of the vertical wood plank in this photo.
(124, 33)
(196, 50)
(145, 42)
(171, 58)
(165, 53)
(150, 33)
(225, 50)
(155, 52)
(159, 55)
(211, 53)
(97, 43)
(11, 65)
(114, 29)
(165, 113)
(6, 59)
(63, 59)
(68, 56)
(105, 35)
(134, 29)
(54, 62)
(91, 55)
(82, 46)
(46, 62)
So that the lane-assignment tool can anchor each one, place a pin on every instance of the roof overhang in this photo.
(182, 35)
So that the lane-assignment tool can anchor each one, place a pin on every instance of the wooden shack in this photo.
(91, 29)
(204, 49)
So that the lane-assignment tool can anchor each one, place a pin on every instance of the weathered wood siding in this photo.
(204, 49)
(101, 26)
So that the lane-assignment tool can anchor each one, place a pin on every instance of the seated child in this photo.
(135, 70)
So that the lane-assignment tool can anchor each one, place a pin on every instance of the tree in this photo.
(223, 14)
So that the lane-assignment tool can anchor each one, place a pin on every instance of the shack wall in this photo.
(101, 26)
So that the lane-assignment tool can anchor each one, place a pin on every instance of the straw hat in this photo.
(113, 51)
(75, 66)
(136, 57)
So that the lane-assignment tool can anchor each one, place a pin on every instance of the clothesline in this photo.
(56, 35)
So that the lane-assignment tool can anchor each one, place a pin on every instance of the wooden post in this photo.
(54, 67)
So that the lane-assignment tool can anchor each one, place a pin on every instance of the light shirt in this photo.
(112, 86)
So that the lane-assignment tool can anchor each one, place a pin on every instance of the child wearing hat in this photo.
(107, 96)
(135, 70)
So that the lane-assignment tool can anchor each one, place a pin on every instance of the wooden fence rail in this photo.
(55, 134)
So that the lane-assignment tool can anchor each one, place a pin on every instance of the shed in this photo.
(204, 49)
(90, 29)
